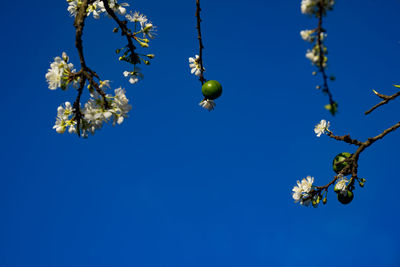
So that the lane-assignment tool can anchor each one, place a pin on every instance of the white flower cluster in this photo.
(321, 127)
(207, 104)
(58, 74)
(96, 8)
(301, 192)
(310, 7)
(94, 113)
(195, 65)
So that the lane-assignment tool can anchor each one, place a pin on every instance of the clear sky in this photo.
(177, 186)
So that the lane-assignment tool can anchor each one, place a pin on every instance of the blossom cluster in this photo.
(301, 192)
(311, 7)
(94, 113)
(96, 8)
(58, 76)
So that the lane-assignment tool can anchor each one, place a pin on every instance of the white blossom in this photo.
(96, 8)
(321, 127)
(195, 65)
(104, 84)
(133, 76)
(310, 7)
(136, 17)
(53, 77)
(341, 185)
(64, 120)
(73, 7)
(57, 75)
(302, 190)
(307, 35)
(148, 30)
(207, 104)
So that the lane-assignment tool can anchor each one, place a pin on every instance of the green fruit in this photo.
(345, 198)
(339, 163)
(211, 89)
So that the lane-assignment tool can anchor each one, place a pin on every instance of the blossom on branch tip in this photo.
(321, 127)
(310, 7)
(301, 192)
(207, 104)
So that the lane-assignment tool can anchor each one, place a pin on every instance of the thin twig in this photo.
(383, 102)
(201, 46)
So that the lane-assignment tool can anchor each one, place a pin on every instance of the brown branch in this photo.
(325, 187)
(383, 102)
(77, 107)
(345, 138)
(79, 24)
(201, 46)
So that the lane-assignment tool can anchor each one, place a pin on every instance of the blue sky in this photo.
(177, 186)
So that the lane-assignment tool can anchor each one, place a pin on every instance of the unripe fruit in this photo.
(339, 163)
(211, 89)
(345, 198)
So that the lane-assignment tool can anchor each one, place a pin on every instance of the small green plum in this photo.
(211, 89)
(339, 163)
(345, 198)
